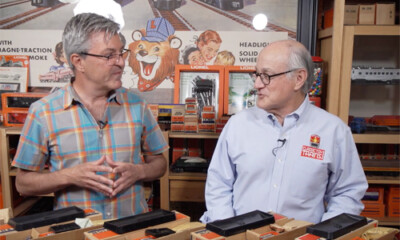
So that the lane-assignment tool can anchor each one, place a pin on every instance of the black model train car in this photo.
(45, 3)
(168, 5)
(226, 4)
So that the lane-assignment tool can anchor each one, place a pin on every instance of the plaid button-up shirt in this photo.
(60, 132)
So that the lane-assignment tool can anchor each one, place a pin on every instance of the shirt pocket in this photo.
(309, 178)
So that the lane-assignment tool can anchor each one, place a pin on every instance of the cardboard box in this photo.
(105, 234)
(297, 227)
(374, 195)
(154, 110)
(10, 233)
(376, 233)
(366, 14)
(205, 234)
(177, 127)
(177, 153)
(373, 210)
(208, 108)
(393, 201)
(393, 209)
(385, 13)
(207, 127)
(351, 14)
(328, 18)
(175, 236)
(40, 233)
(349, 236)
(178, 114)
(190, 127)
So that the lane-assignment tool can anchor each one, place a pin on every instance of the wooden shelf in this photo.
(193, 135)
(375, 30)
(13, 130)
(325, 33)
(377, 138)
(188, 176)
(344, 46)
(185, 186)
(383, 180)
(388, 221)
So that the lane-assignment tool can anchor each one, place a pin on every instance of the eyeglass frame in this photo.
(108, 57)
(262, 76)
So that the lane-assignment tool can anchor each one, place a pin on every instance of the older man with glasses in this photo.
(285, 155)
(99, 140)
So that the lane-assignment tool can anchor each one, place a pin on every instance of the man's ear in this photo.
(301, 78)
(76, 60)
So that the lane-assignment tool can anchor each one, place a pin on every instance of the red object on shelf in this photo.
(385, 120)
(315, 100)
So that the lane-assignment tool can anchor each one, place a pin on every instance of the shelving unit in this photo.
(345, 46)
(7, 174)
(184, 187)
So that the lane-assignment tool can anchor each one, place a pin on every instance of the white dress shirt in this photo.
(305, 179)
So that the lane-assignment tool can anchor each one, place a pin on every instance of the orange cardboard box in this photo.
(298, 228)
(349, 236)
(378, 191)
(328, 18)
(393, 201)
(373, 210)
(207, 127)
(38, 233)
(177, 127)
(105, 234)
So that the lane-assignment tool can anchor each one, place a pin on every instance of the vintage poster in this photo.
(183, 29)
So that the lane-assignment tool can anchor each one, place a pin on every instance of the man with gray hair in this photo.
(285, 155)
(99, 140)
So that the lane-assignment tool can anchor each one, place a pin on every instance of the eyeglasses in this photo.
(266, 78)
(111, 59)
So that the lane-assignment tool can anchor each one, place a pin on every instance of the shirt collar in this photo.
(296, 113)
(71, 97)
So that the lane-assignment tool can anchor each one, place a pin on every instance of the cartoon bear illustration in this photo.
(154, 53)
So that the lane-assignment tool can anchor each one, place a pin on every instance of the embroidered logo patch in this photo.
(315, 140)
(312, 152)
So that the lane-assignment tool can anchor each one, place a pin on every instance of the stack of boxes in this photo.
(191, 122)
(178, 118)
(207, 120)
(378, 201)
(365, 14)
(373, 203)
(188, 119)
(393, 201)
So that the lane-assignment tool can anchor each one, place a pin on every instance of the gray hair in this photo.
(77, 33)
(299, 57)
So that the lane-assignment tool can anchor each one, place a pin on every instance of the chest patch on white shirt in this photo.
(312, 152)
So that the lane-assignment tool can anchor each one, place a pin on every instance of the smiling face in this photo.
(153, 62)
(209, 50)
(195, 58)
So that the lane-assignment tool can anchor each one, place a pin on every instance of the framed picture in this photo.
(239, 92)
(205, 83)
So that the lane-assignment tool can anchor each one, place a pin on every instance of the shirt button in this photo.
(279, 160)
(275, 186)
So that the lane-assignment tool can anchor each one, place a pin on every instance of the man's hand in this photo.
(93, 175)
(127, 174)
